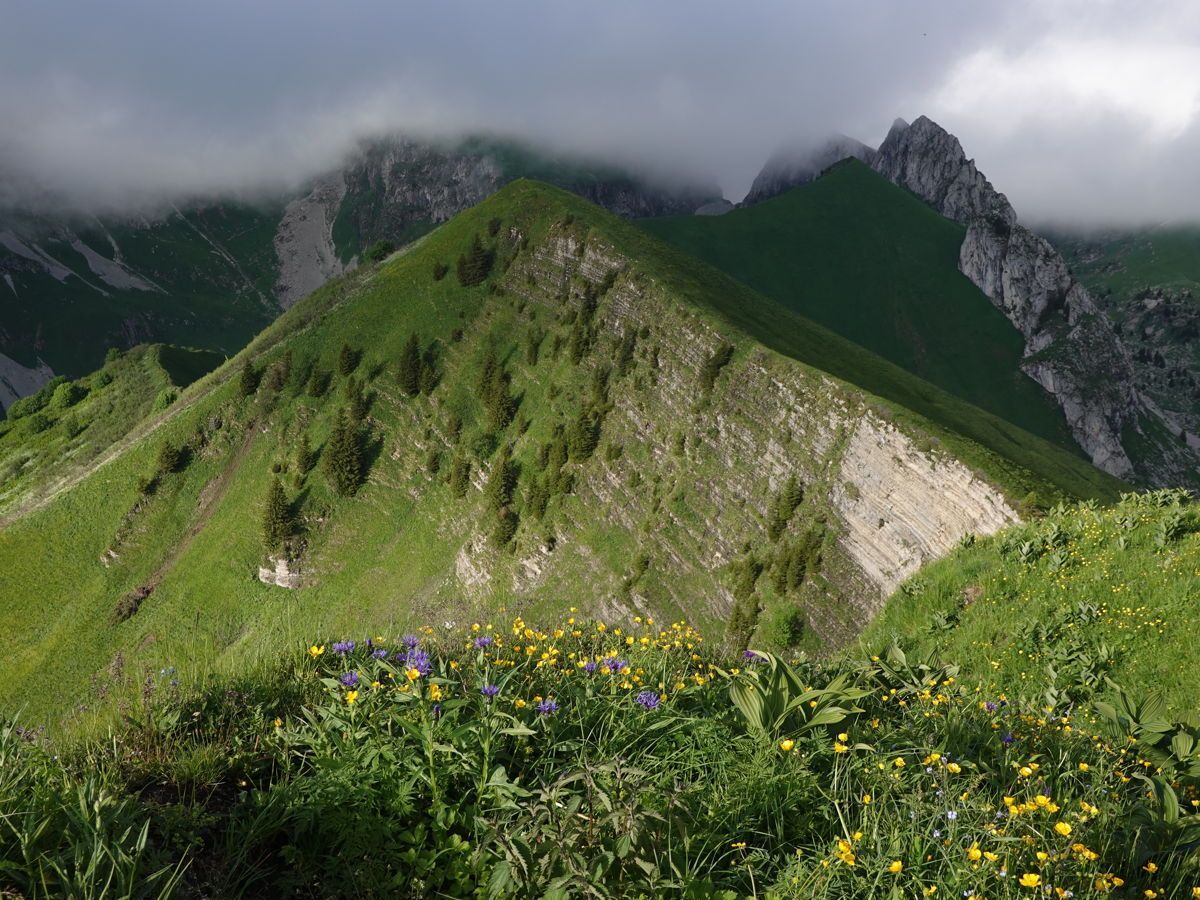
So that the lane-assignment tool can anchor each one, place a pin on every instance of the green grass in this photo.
(404, 547)
(1087, 590)
(619, 759)
(870, 261)
(1124, 263)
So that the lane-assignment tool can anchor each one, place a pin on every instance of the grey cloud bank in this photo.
(1080, 112)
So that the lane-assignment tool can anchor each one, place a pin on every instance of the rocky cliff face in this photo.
(1072, 349)
(792, 166)
(885, 504)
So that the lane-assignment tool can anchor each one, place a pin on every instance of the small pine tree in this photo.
(248, 381)
(410, 366)
(475, 265)
(277, 518)
(304, 455)
(505, 527)
(356, 400)
(342, 457)
(584, 435)
(536, 498)
(347, 360)
(429, 377)
(460, 477)
(439, 271)
(503, 480)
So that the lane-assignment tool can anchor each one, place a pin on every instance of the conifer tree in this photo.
(410, 366)
(304, 454)
(475, 264)
(248, 381)
(277, 517)
(168, 458)
(347, 360)
(342, 457)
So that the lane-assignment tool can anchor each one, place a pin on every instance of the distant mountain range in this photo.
(212, 274)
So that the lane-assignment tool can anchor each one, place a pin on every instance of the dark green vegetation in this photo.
(1148, 282)
(206, 278)
(1057, 605)
(392, 493)
(875, 264)
(601, 760)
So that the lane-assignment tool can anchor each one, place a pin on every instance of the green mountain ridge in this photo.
(877, 265)
(644, 437)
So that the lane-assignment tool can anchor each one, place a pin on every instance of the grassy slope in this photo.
(1125, 263)
(384, 557)
(876, 265)
(118, 396)
(1053, 591)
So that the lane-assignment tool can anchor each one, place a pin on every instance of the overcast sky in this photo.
(1080, 111)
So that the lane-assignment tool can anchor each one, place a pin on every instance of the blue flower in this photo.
(410, 641)
(1008, 738)
(380, 653)
(344, 647)
(489, 690)
(590, 667)
(350, 679)
(482, 641)
(951, 815)
(648, 699)
(547, 707)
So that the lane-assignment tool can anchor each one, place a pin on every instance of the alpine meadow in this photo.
(418, 480)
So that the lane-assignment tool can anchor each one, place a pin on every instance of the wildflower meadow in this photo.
(586, 759)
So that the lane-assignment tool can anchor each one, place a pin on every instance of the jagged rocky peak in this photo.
(930, 162)
(799, 163)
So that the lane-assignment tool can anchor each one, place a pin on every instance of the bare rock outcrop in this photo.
(281, 572)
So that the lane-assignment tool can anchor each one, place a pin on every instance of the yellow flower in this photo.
(974, 853)
(866, 799)
(898, 763)
(1062, 828)
(930, 891)
(435, 692)
(278, 722)
(1151, 867)
(738, 845)
(843, 736)
(839, 747)
(314, 651)
(896, 867)
(1030, 880)
(1083, 767)
(351, 697)
(1024, 771)
(520, 704)
(786, 746)
(954, 768)
(413, 674)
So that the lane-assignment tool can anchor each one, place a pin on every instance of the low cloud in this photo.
(1080, 112)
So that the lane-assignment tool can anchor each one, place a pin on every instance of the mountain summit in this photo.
(1071, 348)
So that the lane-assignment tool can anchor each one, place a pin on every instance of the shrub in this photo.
(67, 395)
(439, 270)
(248, 380)
(348, 360)
(712, 367)
(410, 366)
(379, 251)
(168, 460)
(278, 520)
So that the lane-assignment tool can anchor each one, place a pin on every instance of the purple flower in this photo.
(1008, 738)
(379, 654)
(616, 665)
(410, 641)
(415, 659)
(990, 706)
(590, 667)
(951, 815)
(547, 707)
(489, 690)
(344, 647)
(482, 641)
(436, 710)
(350, 679)
(648, 699)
